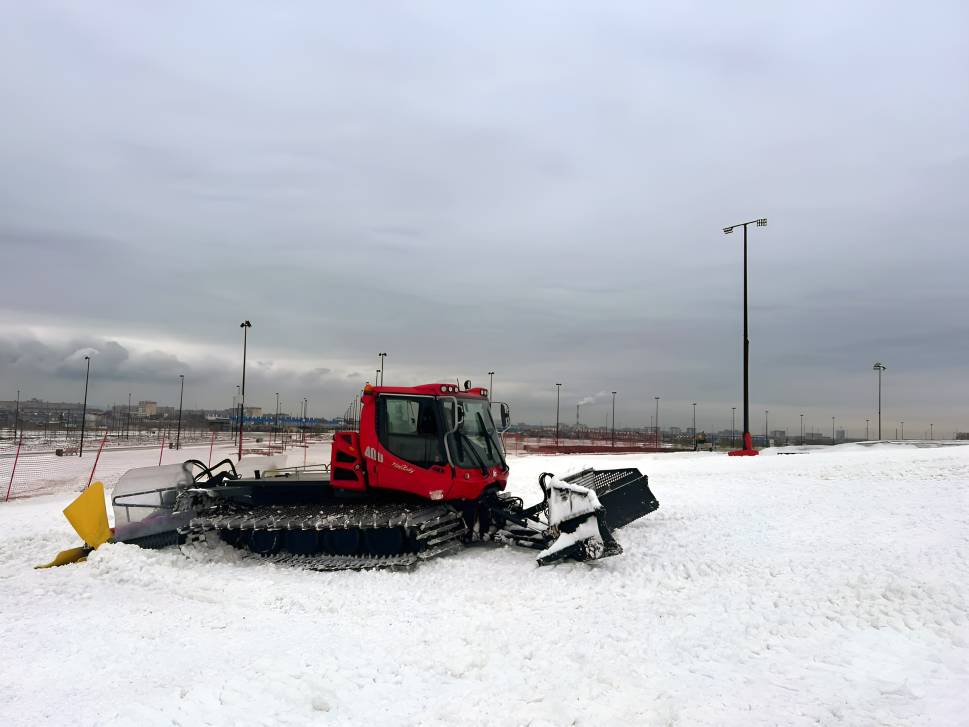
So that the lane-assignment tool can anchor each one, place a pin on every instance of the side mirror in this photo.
(505, 416)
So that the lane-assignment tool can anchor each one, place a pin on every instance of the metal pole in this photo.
(747, 442)
(382, 356)
(931, 431)
(879, 367)
(733, 425)
(84, 409)
(181, 392)
(694, 427)
(275, 433)
(491, 385)
(766, 437)
(16, 416)
(903, 430)
(802, 430)
(127, 426)
(657, 422)
(866, 430)
(614, 419)
(832, 430)
(558, 392)
(245, 325)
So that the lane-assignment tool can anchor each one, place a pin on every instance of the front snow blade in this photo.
(575, 513)
(624, 493)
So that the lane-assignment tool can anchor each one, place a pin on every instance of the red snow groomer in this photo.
(424, 474)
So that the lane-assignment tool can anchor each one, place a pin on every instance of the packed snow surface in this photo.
(828, 587)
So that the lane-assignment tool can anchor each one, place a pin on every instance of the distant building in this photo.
(147, 408)
(253, 411)
(962, 435)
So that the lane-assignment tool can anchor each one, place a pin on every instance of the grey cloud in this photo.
(477, 188)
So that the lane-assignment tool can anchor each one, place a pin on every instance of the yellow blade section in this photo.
(72, 555)
(89, 516)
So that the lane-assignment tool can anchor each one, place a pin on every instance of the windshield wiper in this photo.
(491, 440)
(473, 450)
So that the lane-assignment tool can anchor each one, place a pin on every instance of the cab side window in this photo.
(408, 428)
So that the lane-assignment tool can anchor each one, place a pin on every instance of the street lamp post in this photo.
(245, 326)
(694, 427)
(832, 430)
(903, 430)
(491, 384)
(879, 367)
(866, 429)
(16, 416)
(558, 391)
(614, 419)
(748, 444)
(766, 438)
(87, 376)
(382, 357)
(657, 422)
(275, 432)
(931, 431)
(178, 435)
(733, 425)
(127, 426)
(802, 430)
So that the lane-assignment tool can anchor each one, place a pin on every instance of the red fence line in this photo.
(103, 440)
(15, 459)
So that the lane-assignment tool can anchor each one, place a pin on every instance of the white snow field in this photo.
(824, 588)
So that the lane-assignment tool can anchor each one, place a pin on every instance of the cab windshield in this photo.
(475, 443)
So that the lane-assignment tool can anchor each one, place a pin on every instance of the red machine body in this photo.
(408, 441)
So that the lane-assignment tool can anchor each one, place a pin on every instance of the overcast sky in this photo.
(532, 188)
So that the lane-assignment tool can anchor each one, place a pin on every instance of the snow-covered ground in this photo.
(828, 587)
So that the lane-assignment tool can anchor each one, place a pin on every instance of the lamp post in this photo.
(903, 430)
(694, 427)
(866, 429)
(733, 425)
(275, 435)
(16, 416)
(558, 391)
(879, 367)
(491, 384)
(245, 326)
(766, 438)
(657, 422)
(614, 419)
(832, 430)
(802, 429)
(87, 376)
(382, 357)
(931, 432)
(178, 435)
(748, 445)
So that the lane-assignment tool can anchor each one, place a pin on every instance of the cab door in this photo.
(409, 453)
